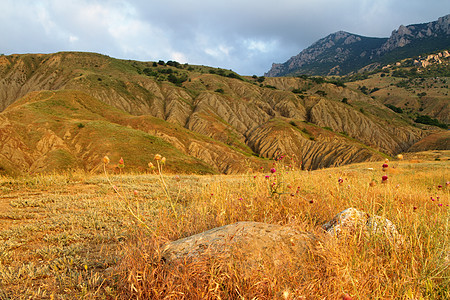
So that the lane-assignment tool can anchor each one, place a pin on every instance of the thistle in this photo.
(121, 164)
(105, 160)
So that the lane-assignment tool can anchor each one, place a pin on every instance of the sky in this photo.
(245, 36)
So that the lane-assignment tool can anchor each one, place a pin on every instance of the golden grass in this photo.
(72, 236)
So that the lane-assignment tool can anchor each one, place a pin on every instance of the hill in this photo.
(67, 110)
(342, 53)
(417, 88)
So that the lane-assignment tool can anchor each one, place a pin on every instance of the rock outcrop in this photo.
(405, 35)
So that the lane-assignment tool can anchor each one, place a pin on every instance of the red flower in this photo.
(384, 179)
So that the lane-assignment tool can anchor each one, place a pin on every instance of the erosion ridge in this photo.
(67, 110)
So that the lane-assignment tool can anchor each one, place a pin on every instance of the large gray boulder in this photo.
(254, 241)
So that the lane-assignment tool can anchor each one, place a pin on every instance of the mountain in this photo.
(67, 110)
(342, 53)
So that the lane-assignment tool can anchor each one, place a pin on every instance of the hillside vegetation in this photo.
(417, 88)
(66, 110)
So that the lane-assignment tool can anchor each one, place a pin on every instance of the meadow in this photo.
(99, 236)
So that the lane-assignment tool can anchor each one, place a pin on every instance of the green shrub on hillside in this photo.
(424, 119)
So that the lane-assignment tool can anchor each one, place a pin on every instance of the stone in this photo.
(351, 221)
(254, 241)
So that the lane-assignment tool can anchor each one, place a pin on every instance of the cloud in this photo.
(246, 36)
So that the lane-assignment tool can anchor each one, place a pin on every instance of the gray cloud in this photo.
(243, 35)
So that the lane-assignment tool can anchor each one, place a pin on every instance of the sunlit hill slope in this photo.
(67, 110)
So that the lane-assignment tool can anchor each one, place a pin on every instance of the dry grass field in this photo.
(80, 236)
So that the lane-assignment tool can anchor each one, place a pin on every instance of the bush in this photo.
(364, 89)
(150, 72)
(394, 108)
(318, 80)
(177, 80)
(422, 94)
(424, 119)
(321, 93)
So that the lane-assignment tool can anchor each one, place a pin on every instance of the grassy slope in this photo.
(71, 236)
(100, 128)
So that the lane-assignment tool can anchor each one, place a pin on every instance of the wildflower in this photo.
(386, 161)
(440, 204)
(439, 186)
(384, 179)
(163, 160)
(346, 296)
(385, 167)
(267, 176)
(447, 183)
(135, 193)
(340, 180)
(311, 201)
(121, 163)
(432, 199)
(158, 157)
(400, 157)
(241, 199)
(106, 160)
(151, 166)
(292, 194)
(415, 207)
(273, 170)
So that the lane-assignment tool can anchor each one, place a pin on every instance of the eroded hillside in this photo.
(67, 110)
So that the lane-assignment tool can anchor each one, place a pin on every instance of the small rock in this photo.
(352, 220)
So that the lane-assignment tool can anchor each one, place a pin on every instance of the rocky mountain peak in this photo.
(342, 52)
(404, 35)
